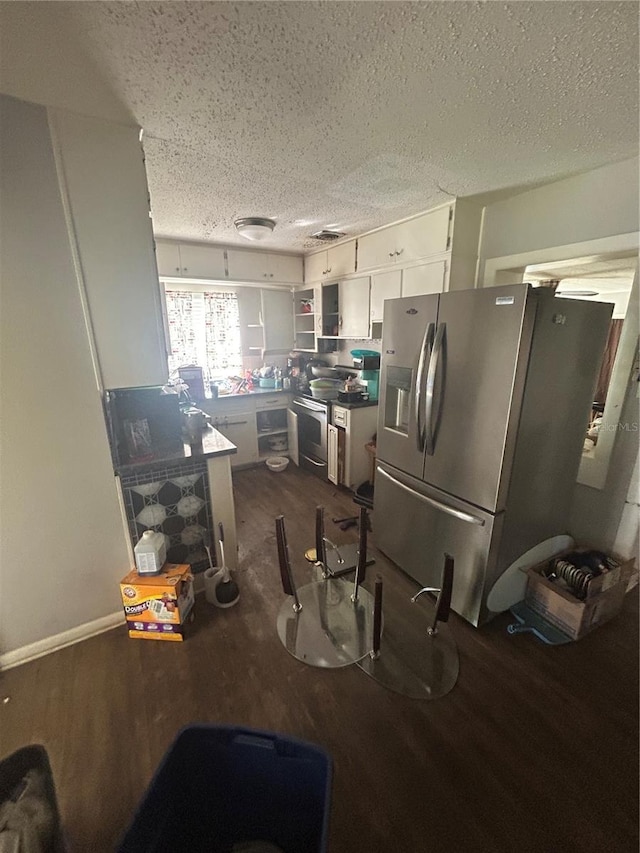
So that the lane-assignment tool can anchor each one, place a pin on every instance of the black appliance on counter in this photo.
(143, 424)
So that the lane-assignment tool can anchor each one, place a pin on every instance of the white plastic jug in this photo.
(150, 553)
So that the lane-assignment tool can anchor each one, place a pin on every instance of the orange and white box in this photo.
(156, 606)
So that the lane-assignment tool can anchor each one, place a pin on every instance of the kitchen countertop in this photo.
(251, 393)
(213, 444)
(362, 404)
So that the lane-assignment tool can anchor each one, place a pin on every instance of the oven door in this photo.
(313, 418)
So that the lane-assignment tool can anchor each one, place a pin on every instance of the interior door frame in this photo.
(593, 471)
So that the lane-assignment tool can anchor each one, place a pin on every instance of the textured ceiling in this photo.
(346, 115)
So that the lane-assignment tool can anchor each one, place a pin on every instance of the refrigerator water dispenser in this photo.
(398, 398)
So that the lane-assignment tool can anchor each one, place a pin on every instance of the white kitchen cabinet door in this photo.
(332, 454)
(353, 295)
(264, 267)
(248, 266)
(384, 285)
(250, 314)
(240, 429)
(168, 259)
(285, 269)
(341, 260)
(104, 181)
(421, 237)
(377, 249)
(292, 426)
(202, 261)
(425, 278)
(277, 319)
(315, 266)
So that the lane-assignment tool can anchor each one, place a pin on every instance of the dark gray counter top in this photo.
(361, 404)
(256, 391)
(213, 444)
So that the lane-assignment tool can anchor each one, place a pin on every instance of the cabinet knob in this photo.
(400, 252)
(184, 269)
(177, 269)
(329, 270)
(391, 254)
(270, 275)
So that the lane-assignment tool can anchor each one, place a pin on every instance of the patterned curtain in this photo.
(204, 329)
(182, 333)
(222, 329)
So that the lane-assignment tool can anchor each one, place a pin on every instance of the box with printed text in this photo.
(157, 606)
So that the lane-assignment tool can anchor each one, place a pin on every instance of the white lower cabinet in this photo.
(332, 454)
(425, 278)
(350, 431)
(239, 428)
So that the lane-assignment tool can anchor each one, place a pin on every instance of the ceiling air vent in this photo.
(327, 236)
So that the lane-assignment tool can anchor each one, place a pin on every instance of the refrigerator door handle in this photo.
(430, 387)
(456, 513)
(426, 343)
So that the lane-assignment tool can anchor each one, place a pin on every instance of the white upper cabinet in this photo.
(384, 285)
(168, 259)
(425, 278)
(277, 318)
(408, 241)
(315, 266)
(331, 263)
(202, 261)
(353, 299)
(217, 263)
(286, 269)
(103, 178)
(189, 260)
(264, 266)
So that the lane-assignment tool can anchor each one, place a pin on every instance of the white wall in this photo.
(591, 206)
(62, 545)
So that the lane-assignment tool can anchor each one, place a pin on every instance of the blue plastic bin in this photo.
(218, 785)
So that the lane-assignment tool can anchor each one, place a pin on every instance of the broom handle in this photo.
(377, 618)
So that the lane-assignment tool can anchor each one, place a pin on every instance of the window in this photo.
(204, 329)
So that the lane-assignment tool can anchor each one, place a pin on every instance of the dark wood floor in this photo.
(535, 749)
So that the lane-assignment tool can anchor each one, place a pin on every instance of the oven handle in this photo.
(313, 461)
(310, 406)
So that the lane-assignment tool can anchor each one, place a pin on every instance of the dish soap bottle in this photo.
(277, 373)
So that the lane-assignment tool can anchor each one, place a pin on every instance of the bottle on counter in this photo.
(277, 375)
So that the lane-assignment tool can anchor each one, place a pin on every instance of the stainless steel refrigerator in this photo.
(484, 402)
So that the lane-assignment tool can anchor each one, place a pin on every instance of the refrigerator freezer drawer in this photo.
(416, 525)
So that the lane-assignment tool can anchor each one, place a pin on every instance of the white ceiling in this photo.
(609, 278)
(340, 114)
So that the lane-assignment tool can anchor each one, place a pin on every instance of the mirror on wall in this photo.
(600, 277)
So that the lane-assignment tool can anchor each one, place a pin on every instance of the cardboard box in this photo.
(157, 606)
(573, 617)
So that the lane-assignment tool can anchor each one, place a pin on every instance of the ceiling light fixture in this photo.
(254, 227)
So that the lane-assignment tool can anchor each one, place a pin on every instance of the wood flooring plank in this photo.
(535, 749)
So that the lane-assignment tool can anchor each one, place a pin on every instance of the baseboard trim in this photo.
(60, 641)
